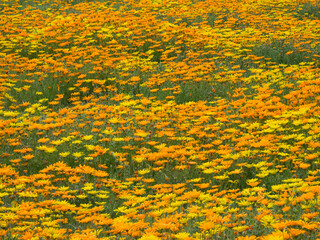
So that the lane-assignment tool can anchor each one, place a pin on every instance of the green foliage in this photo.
(284, 52)
(194, 92)
(308, 10)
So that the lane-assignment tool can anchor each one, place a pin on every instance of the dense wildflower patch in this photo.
(157, 119)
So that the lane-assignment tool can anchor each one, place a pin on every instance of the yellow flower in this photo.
(10, 114)
(139, 159)
(268, 220)
(88, 137)
(278, 235)
(141, 133)
(182, 235)
(81, 196)
(88, 186)
(253, 182)
(108, 131)
(240, 228)
(114, 120)
(64, 154)
(90, 147)
(149, 237)
(77, 154)
(102, 195)
(47, 149)
(208, 171)
(144, 171)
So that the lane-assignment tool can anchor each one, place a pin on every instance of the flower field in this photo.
(160, 119)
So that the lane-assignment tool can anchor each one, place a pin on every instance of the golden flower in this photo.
(77, 154)
(74, 179)
(28, 156)
(149, 237)
(240, 228)
(268, 220)
(64, 154)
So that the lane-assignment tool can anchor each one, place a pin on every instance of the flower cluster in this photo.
(158, 119)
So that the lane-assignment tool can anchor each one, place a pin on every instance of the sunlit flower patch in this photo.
(159, 119)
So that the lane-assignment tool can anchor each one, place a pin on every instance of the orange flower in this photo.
(74, 179)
